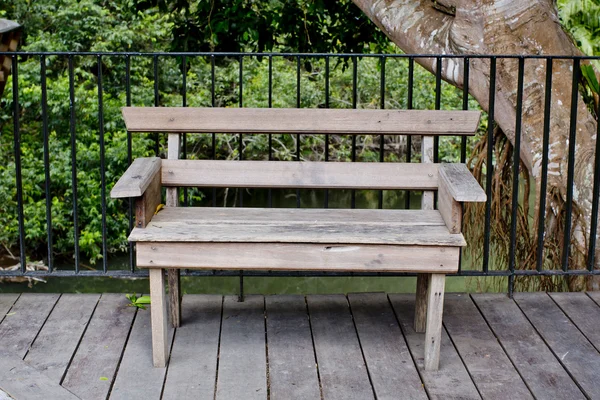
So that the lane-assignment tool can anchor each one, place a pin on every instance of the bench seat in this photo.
(298, 239)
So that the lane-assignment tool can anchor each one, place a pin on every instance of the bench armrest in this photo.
(140, 174)
(460, 184)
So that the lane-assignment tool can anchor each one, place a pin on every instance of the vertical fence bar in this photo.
(102, 165)
(17, 149)
(465, 106)
(129, 161)
(240, 105)
(354, 101)
(515, 187)
(298, 105)
(326, 135)
(489, 166)
(409, 105)
(382, 106)
(571, 163)
(46, 145)
(438, 104)
(595, 197)
(544, 180)
(72, 131)
(156, 101)
(213, 102)
(184, 104)
(270, 105)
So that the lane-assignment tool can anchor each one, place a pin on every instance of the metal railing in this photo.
(352, 62)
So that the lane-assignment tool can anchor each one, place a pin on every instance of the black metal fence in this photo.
(301, 63)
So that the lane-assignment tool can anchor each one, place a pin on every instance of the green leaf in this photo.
(103, 378)
(590, 76)
(143, 300)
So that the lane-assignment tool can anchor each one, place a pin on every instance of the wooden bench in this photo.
(426, 242)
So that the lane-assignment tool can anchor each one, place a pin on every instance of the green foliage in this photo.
(139, 302)
(581, 18)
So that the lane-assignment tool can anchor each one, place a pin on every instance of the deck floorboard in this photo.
(327, 347)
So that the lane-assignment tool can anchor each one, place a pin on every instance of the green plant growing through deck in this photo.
(139, 302)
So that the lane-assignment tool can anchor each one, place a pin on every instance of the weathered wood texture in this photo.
(145, 206)
(160, 342)
(23, 382)
(242, 358)
(433, 324)
(297, 257)
(342, 367)
(584, 313)
(543, 373)
(452, 380)
(7, 300)
(25, 319)
(301, 175)
(138, 177)
(450, 210)
(488, 364)
(301, 120)
(56, 342)
(193, 366)
(292, 364)
(460, 183)
(137, 378)
(205, 224)
(95, 363)
(567, 342)
(391, 368)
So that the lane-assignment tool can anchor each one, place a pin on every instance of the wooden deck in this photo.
(363, 346)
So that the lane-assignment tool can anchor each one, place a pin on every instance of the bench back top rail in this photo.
(300, 120)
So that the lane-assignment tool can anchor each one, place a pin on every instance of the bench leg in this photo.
(433, 330)
(421, 302)
(158, 309)
(174, 297)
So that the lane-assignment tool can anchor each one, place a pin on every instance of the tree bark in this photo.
(504, 27)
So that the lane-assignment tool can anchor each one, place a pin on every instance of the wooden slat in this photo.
(8, 25)
(297, 257)
(25, 319)
(291, 358)
(145, 206)
(584, 313)
(7, 300)
(193, 366)
(58, 339)
(21, 381)
(300, 227)
(341, 365)
(450, 209)
(137, 178)
(301, 175)
(568, 344)
(303, 121)
(137, 378)
(542, 372)
(451, 381)
(391, 368)
(461, 184)
(488, 364)
(93, 367)
(242, 358)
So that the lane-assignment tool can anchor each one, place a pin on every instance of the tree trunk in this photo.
(506, 27)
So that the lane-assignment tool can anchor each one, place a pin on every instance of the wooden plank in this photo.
(256, 228)
(450, 209)
(391, 368)
(584, 313)
(542, 372)
(489, 366)
(7, 300)
(137, 378)
(25, 319)
(433, 325)
(8, 25)
(301, 175)
(160, 342)
(146, 206)
(302, 120)
(297, 257)
(451, 381)
(292, 364)
(93, 367)
(461, 184)
(567, 343)
(341, 365)
(242, 359)
(193, 366)
(172, 200)
(56, 343)
(137, 178)
(21, 381)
